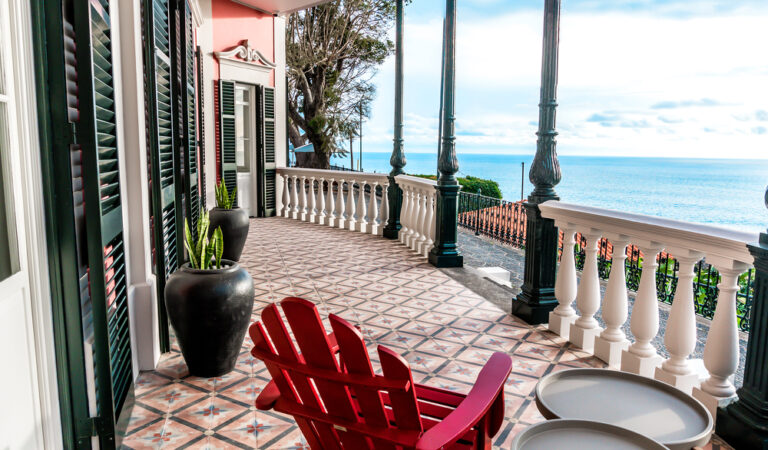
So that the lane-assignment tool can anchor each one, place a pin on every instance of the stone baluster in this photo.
(286, 212)
(418, 243)
(362, 212)
(312, 213)
(612, 341)
(563, 316)
(384, 207)
(332, 217)
(413, 216)
(641, 357)
(303, 198)
(295, 201)
(585, 329)
(351, 220)
(721, 352)
(373, 209)
(429, 223)
(680, 333)
(405, 212)
(341, 220)
(322, 216)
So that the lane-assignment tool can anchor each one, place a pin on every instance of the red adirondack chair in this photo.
(329, 386)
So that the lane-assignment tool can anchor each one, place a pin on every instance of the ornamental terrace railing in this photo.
(505, 222)
(492, 217)
(688, 243)
(417, 215)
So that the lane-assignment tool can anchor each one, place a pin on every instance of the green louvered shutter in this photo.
(166, 223)
(201, 128)
(97, 135)
(227, 133)
(190, 139)
(270, 168)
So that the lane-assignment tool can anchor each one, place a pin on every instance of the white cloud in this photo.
(663, 85)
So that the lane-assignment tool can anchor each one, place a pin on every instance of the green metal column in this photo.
(744, 423)
(537, 298)
(445, 253)
(395, 194)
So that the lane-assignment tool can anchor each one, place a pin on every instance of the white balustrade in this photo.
(687, 243)
(417, 215)
(311, 198)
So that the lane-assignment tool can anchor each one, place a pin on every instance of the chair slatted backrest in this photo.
(350, 393)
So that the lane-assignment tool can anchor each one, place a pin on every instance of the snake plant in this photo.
(204, 254)
(223, 198)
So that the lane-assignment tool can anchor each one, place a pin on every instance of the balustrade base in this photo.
(312, 218)
(286, 214)
(341, 223)
(321, 220)
(740, 427)
(610, 351)
(303, 216)
(711, 402)
(295, 215)
(363, 227)
(449, 260)
(376, 229)
(560, 325)
(641, 365)
(533, 311)
(685, 383)
(584, 338)
(352, 225)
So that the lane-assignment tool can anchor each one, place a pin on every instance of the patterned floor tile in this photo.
(444, 330)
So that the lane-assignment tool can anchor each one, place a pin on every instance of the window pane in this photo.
(6, 268)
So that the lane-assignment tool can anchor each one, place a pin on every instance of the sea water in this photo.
(723, 192)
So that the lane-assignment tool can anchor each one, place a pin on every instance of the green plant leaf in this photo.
(218, 240)
(232, 198)
(204, 263)
(189, 244)
(209, 248)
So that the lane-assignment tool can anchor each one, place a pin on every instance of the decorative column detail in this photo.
(362, 213)
(445, 252)
(311, 214)
(384, 211)
(721, 352)
(641, 357)
(612, 341)
(744, 423)
(295, 202)
(561, 319)
(537, 298)
(351, 220)
(286, 197)
(397, 160)
(303, 201)
(584, 331)
(321, 215)
(341, 220)
(373, 209)
(332, 216)
(680, 334)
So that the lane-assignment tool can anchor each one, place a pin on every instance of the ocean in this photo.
(723, 192)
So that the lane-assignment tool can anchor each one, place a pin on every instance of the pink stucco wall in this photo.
(233, 23)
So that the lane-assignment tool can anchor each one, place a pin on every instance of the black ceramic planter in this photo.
(210, 311)
(234, 226)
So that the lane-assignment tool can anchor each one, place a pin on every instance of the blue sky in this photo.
(637, 78)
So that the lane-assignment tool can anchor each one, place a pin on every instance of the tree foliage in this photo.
(332, 53)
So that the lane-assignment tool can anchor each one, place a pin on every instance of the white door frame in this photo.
(30, 220)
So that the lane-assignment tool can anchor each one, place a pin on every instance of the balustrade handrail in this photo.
(415, 181)
(336, 174)
(714, 241)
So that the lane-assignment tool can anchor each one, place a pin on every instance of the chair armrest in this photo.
(488, 387)
(268, 397)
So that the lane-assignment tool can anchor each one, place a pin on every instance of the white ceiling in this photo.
(280, 6)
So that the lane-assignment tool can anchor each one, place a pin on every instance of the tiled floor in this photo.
(443, 329)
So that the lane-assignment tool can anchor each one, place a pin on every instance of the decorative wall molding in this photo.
(197, 15)
(244, 53)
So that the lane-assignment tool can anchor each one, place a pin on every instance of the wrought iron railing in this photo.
(505, 222)
(498, 219)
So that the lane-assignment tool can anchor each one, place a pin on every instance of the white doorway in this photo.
(246, 147)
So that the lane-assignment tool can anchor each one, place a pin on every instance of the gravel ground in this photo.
(480, 251)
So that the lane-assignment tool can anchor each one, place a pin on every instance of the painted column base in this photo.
(421, 245)
(560, 325)
(610, 351)
(641, 365)
(741, 427)
(404, 236)
(376, 229)
(286, 214)
(711, 402)
(685, 383)
(584, 338)
(428, 248)
(363, 227)
(312, 218)
(352, 225)
(533, 312)
(321, 220)
(303, 216)
(445, 260)
(390, 233)
(295, 215)
(341, 223)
